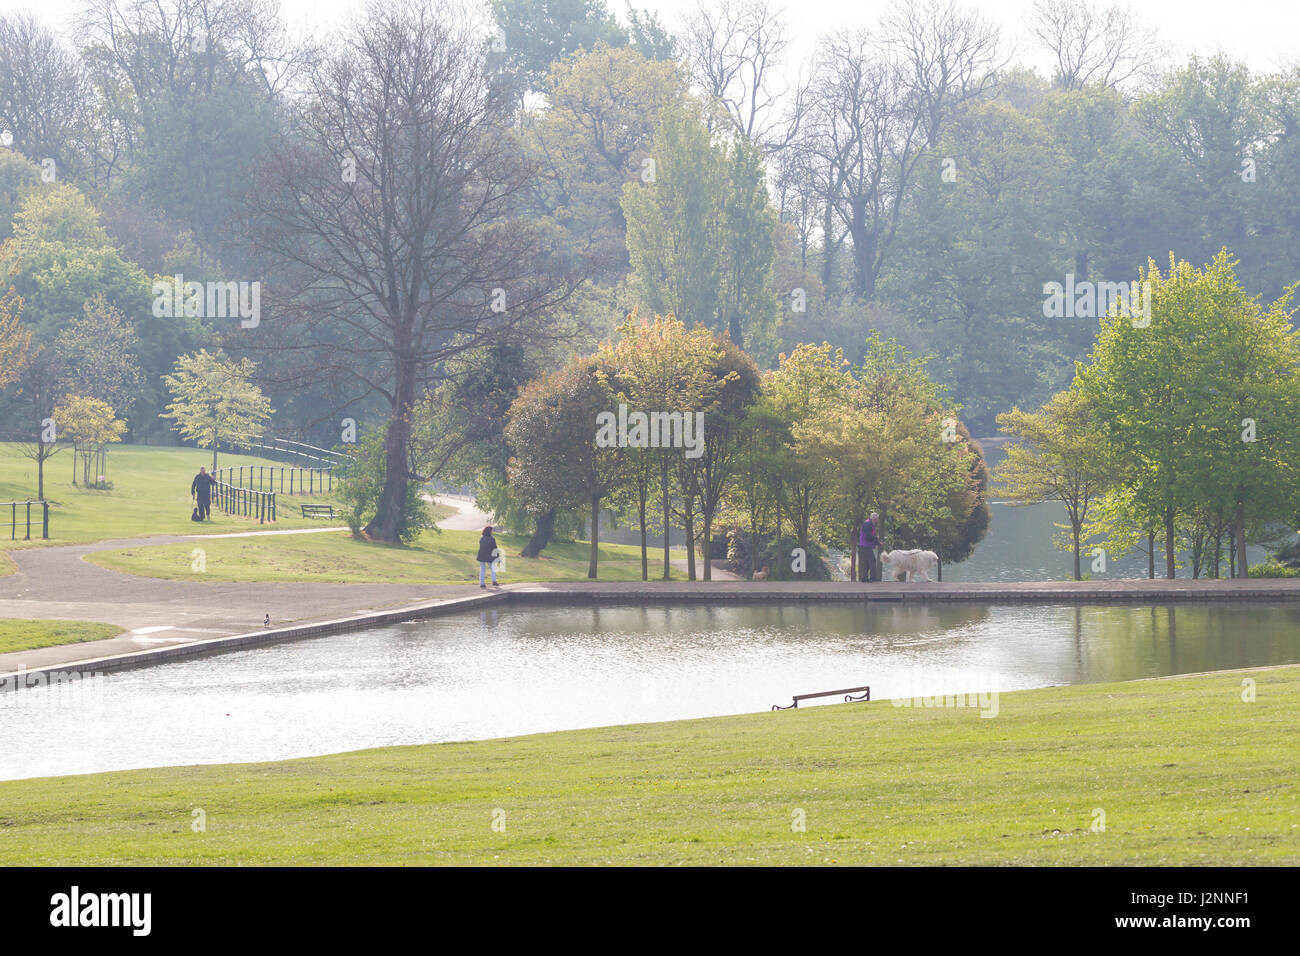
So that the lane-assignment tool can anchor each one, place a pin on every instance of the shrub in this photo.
(1271, 569)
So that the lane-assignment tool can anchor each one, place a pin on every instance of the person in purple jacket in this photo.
(868, 542)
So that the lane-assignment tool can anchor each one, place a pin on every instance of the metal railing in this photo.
(15, 519)
(278, 478)
(244, 502)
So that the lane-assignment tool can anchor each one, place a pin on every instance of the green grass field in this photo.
(17, 634)
(437, 558)
(1165, 772)
(150, 495)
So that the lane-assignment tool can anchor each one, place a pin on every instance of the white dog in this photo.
(907, 563)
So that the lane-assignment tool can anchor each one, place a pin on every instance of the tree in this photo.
(214, 399)
(553, 432)
(1092, 45)
(89, 424)
(40, 387)
(733, 49)
(1200, 405)
(658, 366)
(14, 339)
(396, 211)
(699, 236)
(536, 33)
(98, 351)
(1060, 455)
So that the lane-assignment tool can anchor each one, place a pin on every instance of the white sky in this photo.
(1265, 34)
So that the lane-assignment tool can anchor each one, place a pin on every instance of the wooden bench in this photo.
(848, 693)
(318, 511)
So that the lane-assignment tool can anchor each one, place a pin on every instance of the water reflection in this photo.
(509, 671)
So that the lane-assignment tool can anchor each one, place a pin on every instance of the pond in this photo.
(520, 670)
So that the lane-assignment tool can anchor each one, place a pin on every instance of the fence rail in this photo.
(277, 478)
(285, 446)
(244, 502)
(43, 518)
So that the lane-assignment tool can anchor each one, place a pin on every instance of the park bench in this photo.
(848, 693)
(318, 511)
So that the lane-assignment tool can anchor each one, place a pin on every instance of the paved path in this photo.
(56, 583)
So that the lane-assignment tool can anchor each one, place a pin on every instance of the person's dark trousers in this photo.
(204, 506)
(866, 564)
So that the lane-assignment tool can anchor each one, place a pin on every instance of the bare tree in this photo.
(947, 56)
(395, 214)
(42, 91)
(734, 50)
(874, 108)
(1092, 45)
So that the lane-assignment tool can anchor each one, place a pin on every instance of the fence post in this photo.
(29, 520)
(13, 520)
(45, 519)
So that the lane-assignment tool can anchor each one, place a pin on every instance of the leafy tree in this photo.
(14, 339)
(658, 366)
(90, 425)
(699, 235)
(98, 351)
(361, 482)
(536, 33)
(1060, 455)
(552, 432)
(214, 400)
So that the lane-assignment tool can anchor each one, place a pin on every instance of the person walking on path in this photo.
(201, 490)
(868, 542)
(487, 557)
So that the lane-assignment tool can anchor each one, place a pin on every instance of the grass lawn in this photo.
(445, 557)
(150, 495)
(1184, 771)
(17, 634)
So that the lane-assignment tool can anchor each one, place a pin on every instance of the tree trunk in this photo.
(663, 474)
(1239, 529)
(645, 557)
(388, 514)
(1151, 554)
(1169, 543)
(688, 521)
(541, 536)
(40, 474)
(1078, 570)
(708, 546)
(595, 534)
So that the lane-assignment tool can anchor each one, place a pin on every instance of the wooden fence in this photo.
(15, 518)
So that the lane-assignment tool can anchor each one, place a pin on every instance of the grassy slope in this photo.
(1185, 771)
(17, 634)
(151, 495)
(437, 558)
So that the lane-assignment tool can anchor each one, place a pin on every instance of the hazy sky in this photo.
(1263, 33)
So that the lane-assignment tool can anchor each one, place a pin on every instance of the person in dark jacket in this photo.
(488, 554)
(868, 542)
(201, 490)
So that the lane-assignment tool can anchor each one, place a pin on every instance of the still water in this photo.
(510, 671)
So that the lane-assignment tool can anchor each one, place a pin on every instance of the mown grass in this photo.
(17, 634)
(1165, 772)
(150, 495)
(446, 557)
